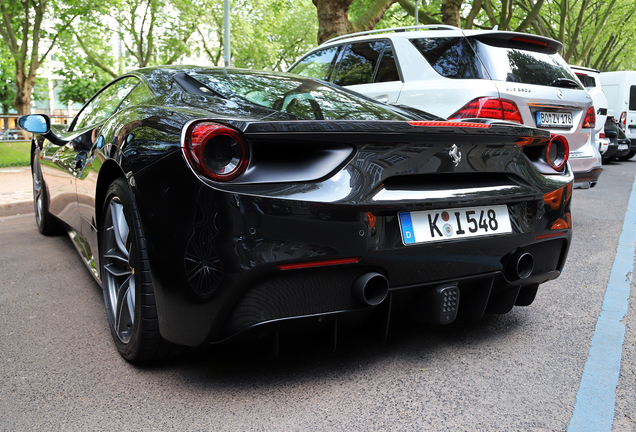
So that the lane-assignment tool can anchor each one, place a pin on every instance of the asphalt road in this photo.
(517, 372)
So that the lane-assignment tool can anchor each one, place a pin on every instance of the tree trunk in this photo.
(24, 88)
(333, 19)
(26, 63)
(450, 12)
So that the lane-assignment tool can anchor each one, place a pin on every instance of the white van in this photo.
(620, 90)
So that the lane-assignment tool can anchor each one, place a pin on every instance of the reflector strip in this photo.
(319, 263)
(450, 124)
(550, 235)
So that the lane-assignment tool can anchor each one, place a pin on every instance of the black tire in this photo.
(125, 275)
(47, 223)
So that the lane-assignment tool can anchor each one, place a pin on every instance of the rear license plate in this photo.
(622, 147)
(454, 224)
(554, 119)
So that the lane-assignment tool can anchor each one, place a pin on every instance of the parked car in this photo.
(624, 146)
(620, 89)
(603, 144)
(460, 74)
(217, 205)
(591, 80)
(9, 134)
(611, 133)
(620, 142)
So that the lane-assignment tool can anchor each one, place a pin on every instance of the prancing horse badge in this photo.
(455, 154)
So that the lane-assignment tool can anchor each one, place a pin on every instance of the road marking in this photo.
(596, 398)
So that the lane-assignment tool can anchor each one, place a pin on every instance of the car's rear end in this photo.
(533, 86)
(324, 224)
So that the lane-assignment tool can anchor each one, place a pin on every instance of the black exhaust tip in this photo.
(519, 266)
(370, 288)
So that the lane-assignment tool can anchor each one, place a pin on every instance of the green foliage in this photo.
(271, 34)
(82, 78)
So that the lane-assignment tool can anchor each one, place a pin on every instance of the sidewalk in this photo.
(16, 191)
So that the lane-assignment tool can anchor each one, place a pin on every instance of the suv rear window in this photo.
(586, 80)
(359, 64)
(451, 57)
(470, 58)
(632, 98)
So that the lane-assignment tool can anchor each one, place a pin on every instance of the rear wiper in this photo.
(564, 83)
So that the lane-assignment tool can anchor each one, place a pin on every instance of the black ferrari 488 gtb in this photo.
(217, 205)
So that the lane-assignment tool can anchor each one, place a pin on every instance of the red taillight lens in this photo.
(557, 151)
(601, 135)
(623, 120)
(485, 107)
(216, 151)
(590, 118)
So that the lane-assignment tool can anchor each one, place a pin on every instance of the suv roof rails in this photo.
(395, 30)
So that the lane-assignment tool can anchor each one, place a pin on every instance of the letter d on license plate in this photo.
(454, 224)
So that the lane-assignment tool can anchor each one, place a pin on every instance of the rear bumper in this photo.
(315, 299)
(586, 164)
(612, 151)
(220, 260)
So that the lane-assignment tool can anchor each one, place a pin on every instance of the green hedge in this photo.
(14, 153)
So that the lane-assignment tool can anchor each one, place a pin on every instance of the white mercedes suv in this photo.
(456, 74)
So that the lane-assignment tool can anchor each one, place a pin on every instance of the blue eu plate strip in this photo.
(408, 235)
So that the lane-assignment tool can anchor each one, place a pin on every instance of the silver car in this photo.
(457, 73)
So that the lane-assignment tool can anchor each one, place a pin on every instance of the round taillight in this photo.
(216, 151)
(557, 151)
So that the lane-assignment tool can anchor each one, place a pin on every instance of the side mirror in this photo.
(35, 123)
(40, 124)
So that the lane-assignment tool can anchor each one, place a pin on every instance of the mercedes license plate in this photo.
(454, 224)
(554, 119)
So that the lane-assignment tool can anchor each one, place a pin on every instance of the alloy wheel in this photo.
(119, 276)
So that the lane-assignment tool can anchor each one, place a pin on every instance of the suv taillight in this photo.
(486, 107)
(590, 118)
(623, 120)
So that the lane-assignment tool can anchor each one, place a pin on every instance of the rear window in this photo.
(300, 97)
(586, 80)
(358, 63)
(451, 57)
(470, 58)
(632, 98)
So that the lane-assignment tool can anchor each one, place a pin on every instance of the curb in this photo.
(16, 208)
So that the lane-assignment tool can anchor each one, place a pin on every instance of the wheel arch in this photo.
(109, 171)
